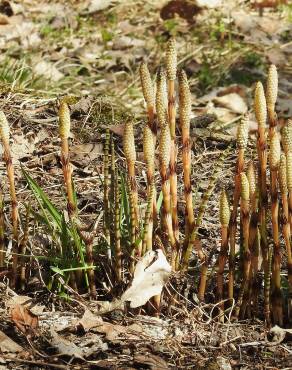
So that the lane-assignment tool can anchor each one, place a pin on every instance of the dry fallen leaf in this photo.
(25, 301)
(125, 42)
(64, 346)
(21, 147)
(151, 273)
(4, 19)
(98, 5)
(279, 334)
(24, 320)
(223, 114)
(116, 332)
(89, 321)
(223, 363)
(116, 129)
(276, 56)
(232, 101)
(7, 345)
(151, 361)
(83, 154)
(47, 70)
(208, 3)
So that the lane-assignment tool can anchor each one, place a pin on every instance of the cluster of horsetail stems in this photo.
(254, 199)
(257, 199)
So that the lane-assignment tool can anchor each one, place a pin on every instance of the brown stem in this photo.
(14, 211)
(263, 205)
(223, 255)
(276, 269)
(173, 159)
(167, 210)
(246, 253)
(233, 221)
(2, 230)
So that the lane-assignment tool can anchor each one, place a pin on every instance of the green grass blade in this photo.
(43, 200)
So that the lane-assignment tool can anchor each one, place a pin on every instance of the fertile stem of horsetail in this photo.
(285, 205)
(130, 154)
(106, 191)
(164, 157)
(64, 131)
(252, 288)
(260, 108)
(242, 139)
(171, 66)
(274, 158)
(244, 209)
(161, 98)
(251, 176)
(253, 231)
(149, 153)
(148, 93)
(2, 230)
(194, 233)
(4, 135)
(184, 117)
(271, 95)
(223, 255)
(275, 152)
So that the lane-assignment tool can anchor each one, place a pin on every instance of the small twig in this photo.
(40, 363)
(230, 341)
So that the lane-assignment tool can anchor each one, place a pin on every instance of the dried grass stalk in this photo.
(4, 135)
